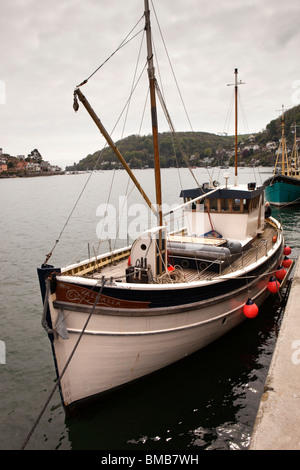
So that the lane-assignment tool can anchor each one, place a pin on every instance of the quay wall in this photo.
(277, 425)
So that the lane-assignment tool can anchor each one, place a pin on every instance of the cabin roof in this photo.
(236, 192)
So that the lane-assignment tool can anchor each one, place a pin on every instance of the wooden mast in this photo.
(151, 74)
(161, 254)
(282, 149)
(236, 121)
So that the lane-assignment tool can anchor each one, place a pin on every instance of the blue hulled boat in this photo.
(283, 188)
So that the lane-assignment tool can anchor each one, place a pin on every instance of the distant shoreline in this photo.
(45, 173)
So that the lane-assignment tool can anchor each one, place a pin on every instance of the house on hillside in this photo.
(21, 165)
(45, 166)
(271, 145)
(55, 169)
(3, 166)
(33, 167)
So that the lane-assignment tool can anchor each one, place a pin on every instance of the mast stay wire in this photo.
(122, 44)
(160, 94)
(126, 110)
(257, 179)
(144, 110)
(243, 113)
(171, 66)
(132, 86)
(161, 97)
(163, 104)
(228, 118)
(118, 120)
(229, 113)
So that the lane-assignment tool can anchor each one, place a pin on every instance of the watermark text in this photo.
(2, 352)
(129, 221)
(296, 353)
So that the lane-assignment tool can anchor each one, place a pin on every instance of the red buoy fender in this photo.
(286, 263)
(280, 273)
(250, 309)
(273, 285)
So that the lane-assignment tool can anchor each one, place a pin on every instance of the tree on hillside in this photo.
(35, 156)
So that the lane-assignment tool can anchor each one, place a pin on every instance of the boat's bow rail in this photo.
(95, 265)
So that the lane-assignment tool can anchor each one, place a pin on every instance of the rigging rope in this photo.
(132, 86)
(164, 107)
(123, 43)
(48, 256)
(243, 113)
(229, 113)
(171, 66)
(65, 367)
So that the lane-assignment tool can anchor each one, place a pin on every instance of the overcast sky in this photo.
(49, 47)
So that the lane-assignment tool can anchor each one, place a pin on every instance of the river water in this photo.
(208, 401)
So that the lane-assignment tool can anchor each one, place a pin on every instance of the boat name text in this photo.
(89, 297)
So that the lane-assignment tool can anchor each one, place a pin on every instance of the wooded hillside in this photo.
(200, 148)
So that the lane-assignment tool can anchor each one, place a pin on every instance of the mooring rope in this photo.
(64, 369)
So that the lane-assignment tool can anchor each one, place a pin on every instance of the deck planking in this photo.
(116, 268)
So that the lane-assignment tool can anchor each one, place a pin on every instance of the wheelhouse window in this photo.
(212, 205)
(236, 205)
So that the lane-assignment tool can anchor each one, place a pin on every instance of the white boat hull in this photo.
(115, 350)
(135, 329)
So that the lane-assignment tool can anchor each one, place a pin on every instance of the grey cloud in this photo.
(52, 46)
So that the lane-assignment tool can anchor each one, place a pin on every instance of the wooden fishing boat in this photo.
(127, 313)
(283, 187)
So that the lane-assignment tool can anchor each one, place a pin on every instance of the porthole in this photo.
(143, 247)
(185, 263)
